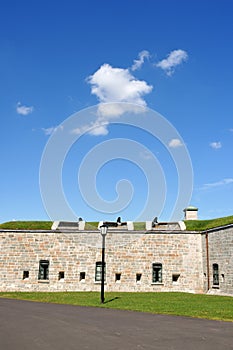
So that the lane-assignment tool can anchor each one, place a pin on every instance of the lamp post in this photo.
(103, 232)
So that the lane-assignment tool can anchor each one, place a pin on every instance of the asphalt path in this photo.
(28, 325)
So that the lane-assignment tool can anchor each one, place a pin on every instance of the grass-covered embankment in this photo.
(191, 225)
(202, 225)
(26, 225)
(39, 225)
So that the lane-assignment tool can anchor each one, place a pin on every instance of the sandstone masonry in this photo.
(149, 261)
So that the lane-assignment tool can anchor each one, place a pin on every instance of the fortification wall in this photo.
(72, 260)
(220, 246)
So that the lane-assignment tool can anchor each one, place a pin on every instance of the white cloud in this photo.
(223, 182)
(49, 131)
(175, 143)
(118, 85)
(24, 110)
(141, 59)
(175, 58)
(99, 130)
(112, 85)
(96, 129)
(216, 145)
(107, 111)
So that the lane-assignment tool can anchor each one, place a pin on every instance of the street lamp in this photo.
(103, 232)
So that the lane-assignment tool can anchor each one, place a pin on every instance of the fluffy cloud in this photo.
(141, 59)
(96, 128)
(216, 145)
(23, 110)
(99, 130)
(118, 85)
(175, 58)
(105, 113)
(112, 110)
(112, 85)
(175, 143)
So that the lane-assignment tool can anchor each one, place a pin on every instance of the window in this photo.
(175, 277)
(138, 277)
(25, 275)
(98, 271)
(82, 276)
(215, 275)
(118, 277)
(156, 273)
(61, 275)
(43, 270)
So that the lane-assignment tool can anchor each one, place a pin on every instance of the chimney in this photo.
(190, 213)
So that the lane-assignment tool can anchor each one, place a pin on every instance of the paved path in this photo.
(35, 326)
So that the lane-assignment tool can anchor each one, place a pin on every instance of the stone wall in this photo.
(220, 243)
(130, 255)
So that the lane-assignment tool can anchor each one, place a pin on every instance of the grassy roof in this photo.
(27, 225)
(39, 225)
(191, 225)
(201, 225)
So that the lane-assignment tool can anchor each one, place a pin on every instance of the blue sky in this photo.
(174, 57)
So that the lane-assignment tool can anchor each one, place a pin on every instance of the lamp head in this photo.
(103, 230)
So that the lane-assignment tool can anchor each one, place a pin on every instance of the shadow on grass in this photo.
(110, 300)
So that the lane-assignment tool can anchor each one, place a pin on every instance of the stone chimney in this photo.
(190, 213)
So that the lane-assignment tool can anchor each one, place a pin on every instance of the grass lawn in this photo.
(180, 304)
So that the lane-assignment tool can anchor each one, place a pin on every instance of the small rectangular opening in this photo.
(138, 277)
(25, 275)
(175, 277)
(82, 276)
(118, 277)
(61, 275)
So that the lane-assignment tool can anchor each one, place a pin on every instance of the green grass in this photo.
(191, 225)
(180, 304)
(27, 225)
(91, 225)
(201, 225)
(139, 226)
(39, 225)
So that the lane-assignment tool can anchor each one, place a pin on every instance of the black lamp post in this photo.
(103, 232)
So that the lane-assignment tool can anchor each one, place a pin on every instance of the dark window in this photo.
(61, 275)
(43, 270)
(98, 271)
(138, 277)
(25, 274)
(118, 277)
(156, 273)
(175, 277)
(82, 276)
(215, 275)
